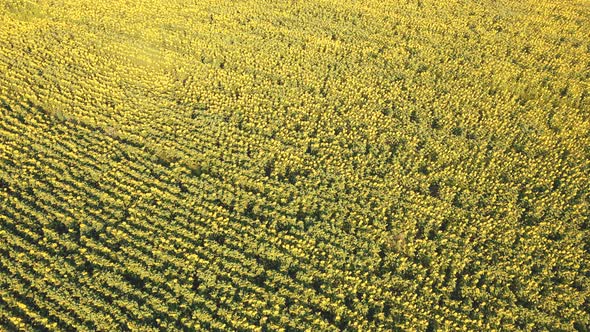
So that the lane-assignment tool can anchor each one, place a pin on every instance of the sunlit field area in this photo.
(284, 165)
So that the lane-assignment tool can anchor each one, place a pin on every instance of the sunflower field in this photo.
(290, 165)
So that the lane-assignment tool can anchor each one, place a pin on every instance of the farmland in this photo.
(322, 165)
